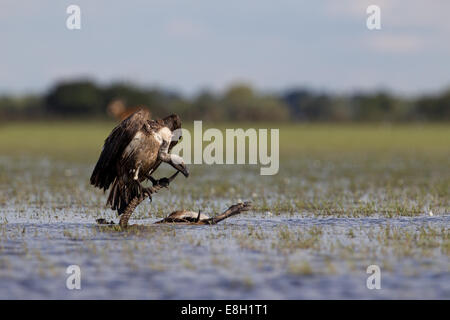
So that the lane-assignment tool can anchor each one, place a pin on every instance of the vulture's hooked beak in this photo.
(182, 168)
(178, 163)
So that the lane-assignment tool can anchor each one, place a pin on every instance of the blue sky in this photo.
(189, 45)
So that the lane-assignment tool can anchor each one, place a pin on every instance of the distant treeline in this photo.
(238, 103)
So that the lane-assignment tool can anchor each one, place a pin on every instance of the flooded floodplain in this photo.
(345, 198)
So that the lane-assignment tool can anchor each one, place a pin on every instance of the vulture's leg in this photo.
(146, 192)
(129, 210)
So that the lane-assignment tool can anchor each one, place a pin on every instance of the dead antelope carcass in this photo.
(197, 218)
(191, 217)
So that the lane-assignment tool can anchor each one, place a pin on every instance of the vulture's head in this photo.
(178, 163)
(173, 122)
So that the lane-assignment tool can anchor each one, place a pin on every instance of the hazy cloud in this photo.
(189, 44)
(391, 43)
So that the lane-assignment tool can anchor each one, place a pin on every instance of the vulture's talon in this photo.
(161, 183)
(148, 193)
(164, 182)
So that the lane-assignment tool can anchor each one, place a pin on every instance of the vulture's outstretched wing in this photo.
(105, 170)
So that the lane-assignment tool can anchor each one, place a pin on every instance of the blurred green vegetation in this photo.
(240, 102)
(79, 140)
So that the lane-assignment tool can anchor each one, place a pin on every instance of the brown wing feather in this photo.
(105, 170)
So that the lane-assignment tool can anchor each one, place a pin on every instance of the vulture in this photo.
(131, 153)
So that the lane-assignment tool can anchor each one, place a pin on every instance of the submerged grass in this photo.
(327, 170)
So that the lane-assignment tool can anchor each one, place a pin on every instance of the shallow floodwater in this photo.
(210, 262)
(312, 234)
